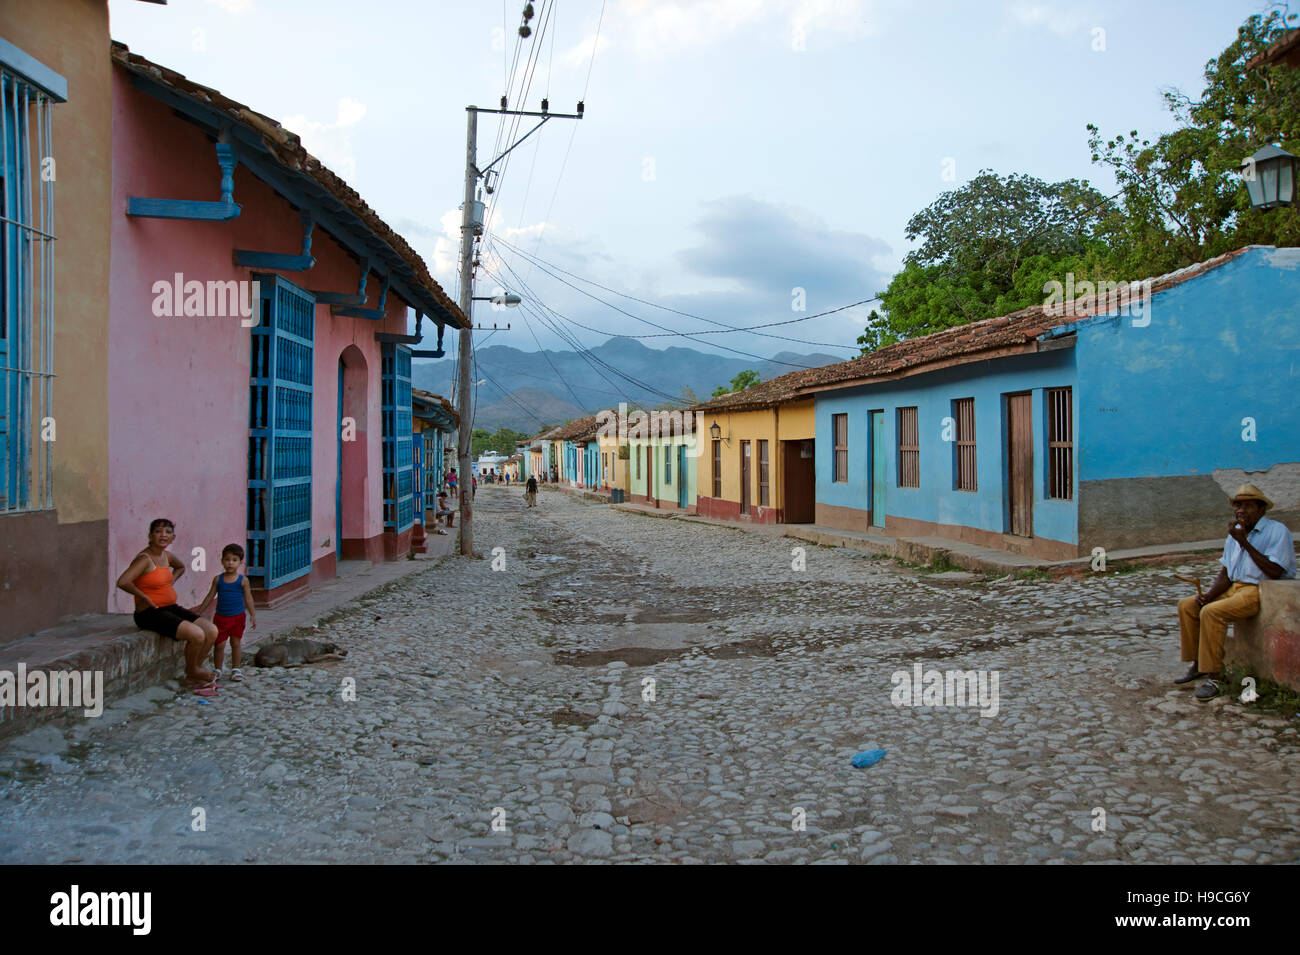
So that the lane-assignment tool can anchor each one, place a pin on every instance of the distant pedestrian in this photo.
(443, 512)
(451, 480)
(473, 486)
(532, 491)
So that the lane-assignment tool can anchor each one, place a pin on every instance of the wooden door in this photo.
(878, 469)
(1020, 464)
(744, 477)
(799, 485)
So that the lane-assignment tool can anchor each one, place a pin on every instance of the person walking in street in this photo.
(1257, 549)
(532, 491)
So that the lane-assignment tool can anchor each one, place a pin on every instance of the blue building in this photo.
(1114, 420)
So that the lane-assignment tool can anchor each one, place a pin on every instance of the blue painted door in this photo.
(878, 469)
(279, 434)
(681, 476)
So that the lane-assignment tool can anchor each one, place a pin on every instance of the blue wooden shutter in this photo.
(279, 434)
(399, 496)
(417, 474)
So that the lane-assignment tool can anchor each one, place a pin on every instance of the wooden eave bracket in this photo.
(223, 210)
(346, 298)
(280, 260)
(372, 313)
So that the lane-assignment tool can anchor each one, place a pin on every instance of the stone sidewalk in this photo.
(922, 550)
(132, 659)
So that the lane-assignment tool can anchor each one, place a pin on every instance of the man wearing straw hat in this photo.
(1256, 548)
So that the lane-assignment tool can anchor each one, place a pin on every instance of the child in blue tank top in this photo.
(234, 596)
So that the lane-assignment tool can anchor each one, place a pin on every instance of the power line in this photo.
(725, 329)
(585, 353)
(662, 328)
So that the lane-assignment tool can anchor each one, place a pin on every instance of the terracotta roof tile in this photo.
(963, 343)
(287, 150)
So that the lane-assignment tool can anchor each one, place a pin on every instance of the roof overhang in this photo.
(299, 189)
(1028, 348)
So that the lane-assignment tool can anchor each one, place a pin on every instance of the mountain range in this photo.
(525, 390)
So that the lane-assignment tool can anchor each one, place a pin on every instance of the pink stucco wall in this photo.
(178, 386)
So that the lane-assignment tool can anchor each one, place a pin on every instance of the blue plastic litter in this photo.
(869, 758)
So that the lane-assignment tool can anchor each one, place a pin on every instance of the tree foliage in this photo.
(502, 441)
(983, 248)
(744, 379)
(1182, 194)
(988, 248)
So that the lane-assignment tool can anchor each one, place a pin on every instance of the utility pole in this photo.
(465, 481)
(464, 403)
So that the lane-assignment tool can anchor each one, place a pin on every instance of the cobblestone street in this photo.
(517, 696)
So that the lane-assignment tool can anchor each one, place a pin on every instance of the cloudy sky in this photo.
(733, 151)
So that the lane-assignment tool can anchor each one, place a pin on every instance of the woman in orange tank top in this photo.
(151, 580)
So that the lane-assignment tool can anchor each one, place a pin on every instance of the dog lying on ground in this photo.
(296, 652)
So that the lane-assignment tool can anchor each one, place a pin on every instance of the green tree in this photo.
(744, 379)
(1183, 196)
(983, 249)
(502, 441)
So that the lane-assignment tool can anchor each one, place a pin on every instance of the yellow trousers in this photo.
(1205, 628)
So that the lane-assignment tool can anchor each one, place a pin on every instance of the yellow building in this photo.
(614, 458)
(56, 148)
(758, 461)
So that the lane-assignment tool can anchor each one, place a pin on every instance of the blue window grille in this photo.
(417, 471)
(399, 474)
(279, 433)
(26, 286)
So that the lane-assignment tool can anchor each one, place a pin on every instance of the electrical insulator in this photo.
(545, 105)
(528, 11)
(580, 107)
(524, 30)
(503, 102)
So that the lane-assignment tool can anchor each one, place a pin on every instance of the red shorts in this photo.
(229, 627)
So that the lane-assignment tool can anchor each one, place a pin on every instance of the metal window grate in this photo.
(1060, 444)
(279, 439)
(762, 474)
(398, 483)
(909, 448)
(840, 425)
(963, 411)
(27, 294)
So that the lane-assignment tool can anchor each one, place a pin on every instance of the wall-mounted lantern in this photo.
(1270, 177)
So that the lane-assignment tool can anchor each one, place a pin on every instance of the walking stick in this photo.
(1191, 580)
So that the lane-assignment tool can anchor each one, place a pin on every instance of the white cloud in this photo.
(331, 143)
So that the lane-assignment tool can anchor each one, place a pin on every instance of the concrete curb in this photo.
(133, 660)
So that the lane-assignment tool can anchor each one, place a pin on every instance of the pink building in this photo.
(258, 356)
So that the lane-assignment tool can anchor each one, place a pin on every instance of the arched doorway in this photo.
(351, 477)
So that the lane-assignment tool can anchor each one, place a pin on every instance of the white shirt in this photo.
(1270, 538)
